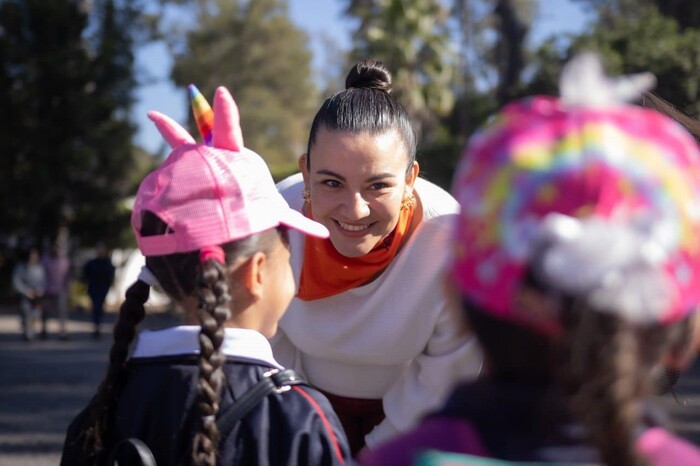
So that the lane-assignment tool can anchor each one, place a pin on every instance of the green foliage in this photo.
(261, 56)
(653, 42)
(645, 41)
(439, 158)
(66, 93)
(686, 13)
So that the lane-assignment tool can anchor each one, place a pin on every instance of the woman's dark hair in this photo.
(180, 276)
(366, 105)
(602, 366)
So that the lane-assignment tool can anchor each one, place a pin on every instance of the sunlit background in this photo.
(78, 77)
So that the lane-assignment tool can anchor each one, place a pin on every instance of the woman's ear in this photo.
(411, 176)
(303, 168)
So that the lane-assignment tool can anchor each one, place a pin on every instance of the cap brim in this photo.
(298, 221)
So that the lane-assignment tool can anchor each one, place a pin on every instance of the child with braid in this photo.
(213, 229)
(576, 263)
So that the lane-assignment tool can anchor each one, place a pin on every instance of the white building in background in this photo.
(128, 263)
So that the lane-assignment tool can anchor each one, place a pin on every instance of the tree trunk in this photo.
(510, 50)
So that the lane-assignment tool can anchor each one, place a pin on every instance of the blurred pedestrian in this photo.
(57, 269)
(29, 280)
(98, 273)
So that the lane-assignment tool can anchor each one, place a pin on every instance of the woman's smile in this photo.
(353, 228)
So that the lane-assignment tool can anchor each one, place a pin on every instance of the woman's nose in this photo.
(357, 207)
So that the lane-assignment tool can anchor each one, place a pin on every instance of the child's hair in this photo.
(576, 251)
(196, 218)
(653, 101)
(180, 275)
(602, 366)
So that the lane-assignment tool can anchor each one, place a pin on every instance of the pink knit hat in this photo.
(598, 199)
(211, 195)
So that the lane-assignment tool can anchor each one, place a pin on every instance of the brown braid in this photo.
(180, 275)
(608, 374)
(602, 364)
(214, 299)
(103, 404)
(604, 377)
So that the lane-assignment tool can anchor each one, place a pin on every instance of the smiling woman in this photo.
(370, 325)
(359, 182)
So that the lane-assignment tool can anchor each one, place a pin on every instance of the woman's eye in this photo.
(332, 183)
(379, 186)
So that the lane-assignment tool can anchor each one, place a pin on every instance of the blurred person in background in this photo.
(29, 280)
(57, 269)
(98, 274)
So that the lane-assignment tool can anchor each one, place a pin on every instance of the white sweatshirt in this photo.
(394, 338)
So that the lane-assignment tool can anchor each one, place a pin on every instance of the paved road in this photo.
(45, 383)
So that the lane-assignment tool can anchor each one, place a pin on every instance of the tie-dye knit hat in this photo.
(597, 199)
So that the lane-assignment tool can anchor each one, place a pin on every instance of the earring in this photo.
(306, 195)
(408, 202)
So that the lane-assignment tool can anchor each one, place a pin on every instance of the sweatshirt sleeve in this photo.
(450, 355)
(18, 280)
(42, 280)
(286, 354)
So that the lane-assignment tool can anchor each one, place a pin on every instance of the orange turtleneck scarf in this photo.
(325, 272)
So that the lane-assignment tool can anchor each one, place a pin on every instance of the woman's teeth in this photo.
(349, 227)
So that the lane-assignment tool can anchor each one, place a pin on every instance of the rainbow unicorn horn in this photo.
(203, 114)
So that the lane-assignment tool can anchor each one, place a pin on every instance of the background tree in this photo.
(254, 49)
(491, 57)
(66, 94)
(412, 38)
(634, 38)
(514, 20)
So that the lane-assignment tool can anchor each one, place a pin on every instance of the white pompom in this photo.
(583, 83)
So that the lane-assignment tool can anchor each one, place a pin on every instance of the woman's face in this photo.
(357, 184)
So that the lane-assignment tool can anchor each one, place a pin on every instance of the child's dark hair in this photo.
(653, 101)
(601, 365)
(366, 105)
(180, 275)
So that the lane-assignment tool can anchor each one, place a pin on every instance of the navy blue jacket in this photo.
(296, 427)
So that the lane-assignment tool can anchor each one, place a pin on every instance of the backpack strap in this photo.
(143, 453)
(273, 381)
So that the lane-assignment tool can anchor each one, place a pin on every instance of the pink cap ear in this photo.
(174, 134)
(227, 127)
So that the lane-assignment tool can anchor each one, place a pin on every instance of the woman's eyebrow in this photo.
(331, 173)
(381, 176)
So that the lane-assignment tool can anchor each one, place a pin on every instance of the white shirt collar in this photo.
(238, 342)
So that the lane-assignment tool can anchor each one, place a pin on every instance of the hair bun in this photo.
(371, 74)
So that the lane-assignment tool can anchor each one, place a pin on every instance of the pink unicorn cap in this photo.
(596, 198)
(211, 195)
